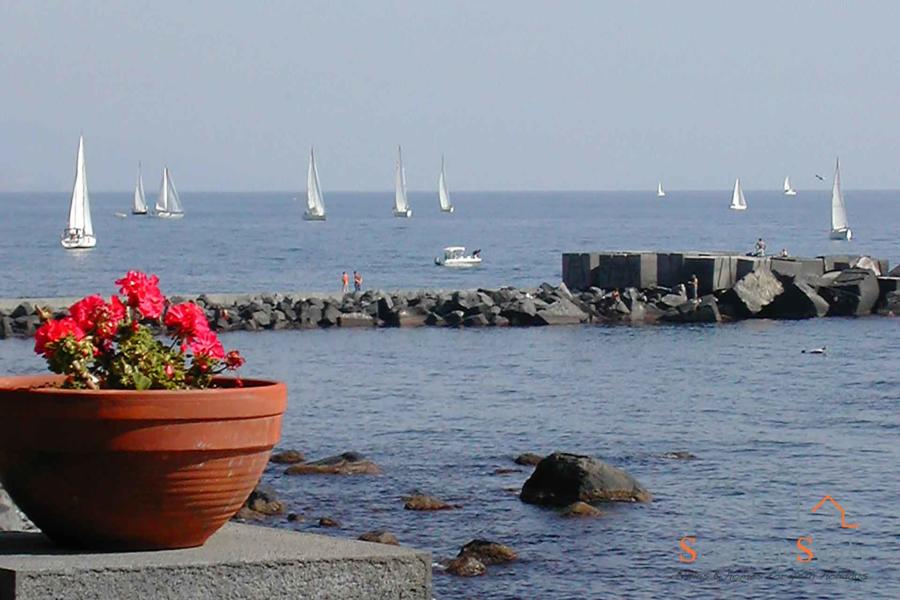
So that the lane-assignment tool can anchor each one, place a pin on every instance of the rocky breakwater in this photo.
(730, 288)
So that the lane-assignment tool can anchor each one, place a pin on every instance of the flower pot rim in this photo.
(40, 383)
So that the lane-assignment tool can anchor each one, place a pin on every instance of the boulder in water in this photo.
(580, 509)
(563, 478)
(380, 536)
(466, 566)
(488, 552)
(348, 463)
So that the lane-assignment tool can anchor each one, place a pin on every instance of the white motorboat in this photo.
(120, 215)
(443, 192)
(788, 188)
(840, 227)
(139, 206)
(315, 206)
(737, 198)
(660, 192)
(401, 203)
(168, 205)
(455, 257)
(79, 231)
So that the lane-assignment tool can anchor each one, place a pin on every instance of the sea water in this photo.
(773, 430)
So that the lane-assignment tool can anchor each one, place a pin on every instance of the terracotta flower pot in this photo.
(118, 469)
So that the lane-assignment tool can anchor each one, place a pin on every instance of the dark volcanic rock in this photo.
(528, 458)
(488, 552)
(852, 292)
(563, 478)
(380, 536)
(426, 503)
(704, 311)
(348, 463)
(287, 457)
(561, 312)
(264, 501)
(580, 509)
(466, 566)
(356, 319)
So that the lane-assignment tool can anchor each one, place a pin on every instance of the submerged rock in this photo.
(287, 457)
(580, 509)
(563, 478)
(328, 522)
(380, 536)
(679, 455)
(488, 552)
(264, 500)
(528, 458)
(348, 463)
(426, 503)
(466, 566)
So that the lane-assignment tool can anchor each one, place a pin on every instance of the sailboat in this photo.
(315, 210)
(443, 192)
(79, 232)
(140, 202)
(840, 228)
(659, 191)
(737, 198)
(401, 204)
(788, 189)
(168, 206)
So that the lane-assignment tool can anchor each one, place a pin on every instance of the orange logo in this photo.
(844, 523)
(807, 551)
(692, 554)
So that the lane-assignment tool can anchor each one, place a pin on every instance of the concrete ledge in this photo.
(239, 562)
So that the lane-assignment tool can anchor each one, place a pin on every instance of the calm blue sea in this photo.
(774, 430)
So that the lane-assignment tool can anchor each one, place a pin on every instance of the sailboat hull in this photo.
(139, 212)
(448, 210)
(308, 216)
(738, 207)
(78, 243)
(791, 193)
(841, 234)
(403, 214)
(169, 215)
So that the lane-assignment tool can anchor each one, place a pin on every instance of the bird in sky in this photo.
(820, 177)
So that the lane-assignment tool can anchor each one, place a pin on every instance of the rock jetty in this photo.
(624, 287)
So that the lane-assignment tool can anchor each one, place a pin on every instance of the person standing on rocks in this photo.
(345, 282)
(357, 281)
(694, 284)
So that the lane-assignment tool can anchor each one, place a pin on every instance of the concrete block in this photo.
(239, 562)
(838, 262)
(749, 264)
(576, 269)
(886, 285)
(625, 269)
(805, 268)
(715, 271)
(669, 269)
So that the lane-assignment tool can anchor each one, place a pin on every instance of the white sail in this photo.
(401, 203)
(140, 201)
(788, 189)
(738, 202)
(838, 211)
(443, 192)
(659, 190)
(79, 193)
(79, 232)
(168, 204)
(314, 200)
(174, 201)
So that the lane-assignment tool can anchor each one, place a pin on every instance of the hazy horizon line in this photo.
(465, 191)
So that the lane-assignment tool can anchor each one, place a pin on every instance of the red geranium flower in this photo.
(206, 344)
(234, 360)
(143, 293)
(51, 332)
(94, 315)
(187, 320)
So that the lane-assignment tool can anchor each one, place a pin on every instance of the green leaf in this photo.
(141, 381)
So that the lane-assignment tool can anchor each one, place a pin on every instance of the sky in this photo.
(517, 95)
